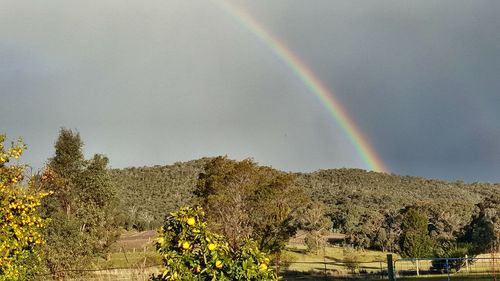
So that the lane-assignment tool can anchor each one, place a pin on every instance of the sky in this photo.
(156, 82)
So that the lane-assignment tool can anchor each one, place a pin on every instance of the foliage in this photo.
(366, 206)
(147, 193)
(313, 242)
(361, 203)
(316, 224)
(68, 160)
(351, 259)
(81, 207)
(484, 229)
(415, 240)
(244, 200)
(452, 250)
(20, 221)
(191, 252)
(275, 212)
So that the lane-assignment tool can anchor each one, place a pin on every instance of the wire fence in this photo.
(430, 269)
(108, 274)
(448, 268)
(324, 270)
(313, 270)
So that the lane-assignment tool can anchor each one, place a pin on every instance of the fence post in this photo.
(125, 254)
(467, 263)
(324, 260)
(381, 270)
(494, 264)
(448, 269)
(390, 268)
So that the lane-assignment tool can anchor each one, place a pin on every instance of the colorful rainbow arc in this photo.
(327, 98)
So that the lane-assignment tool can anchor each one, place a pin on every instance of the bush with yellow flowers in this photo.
(191, 252)
(20, 222)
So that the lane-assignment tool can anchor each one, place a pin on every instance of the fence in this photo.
(430, 269)
(109, 274)
(323, 270)
(448, 268)
(310, 270)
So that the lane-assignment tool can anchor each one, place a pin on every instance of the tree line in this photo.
(368, 207)
(83, 205)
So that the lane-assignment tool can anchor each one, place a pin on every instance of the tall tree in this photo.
(276, 210)
(483, 232)
(314, 221)
(66, 166)
(68, 161)
(244, 200)
(415, 240)
(81, 206)
(225, 189)
(96, 203)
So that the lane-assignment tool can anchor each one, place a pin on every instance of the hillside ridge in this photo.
(359, 202)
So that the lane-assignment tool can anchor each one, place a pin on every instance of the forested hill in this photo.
(148, 194)
(366, 205)
(360, 203)
(384, 192)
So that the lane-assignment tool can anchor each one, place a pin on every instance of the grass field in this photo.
(453, 277)
(137, 249)
(128, 259)
(134, 258)
(133, 249)
(333, 260)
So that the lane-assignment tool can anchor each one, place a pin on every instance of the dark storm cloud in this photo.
(420, 78)
(154, 82)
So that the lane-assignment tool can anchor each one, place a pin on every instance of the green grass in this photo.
(444, 278)
(301, 261)
(302, 265)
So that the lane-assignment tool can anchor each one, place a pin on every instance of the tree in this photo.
(455, 250)
(483, 232)
(243, 200)
(63, 170)
(415, 240)
(191, 252)
(96, 204)
(225, 190)
(381, 240)
(314, 221)
(68, 161)
(276, 210)
(81, 209)
(20, 221)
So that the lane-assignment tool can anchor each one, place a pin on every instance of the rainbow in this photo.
(327, 98)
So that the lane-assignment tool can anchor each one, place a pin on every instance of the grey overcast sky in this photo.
(154, 82)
